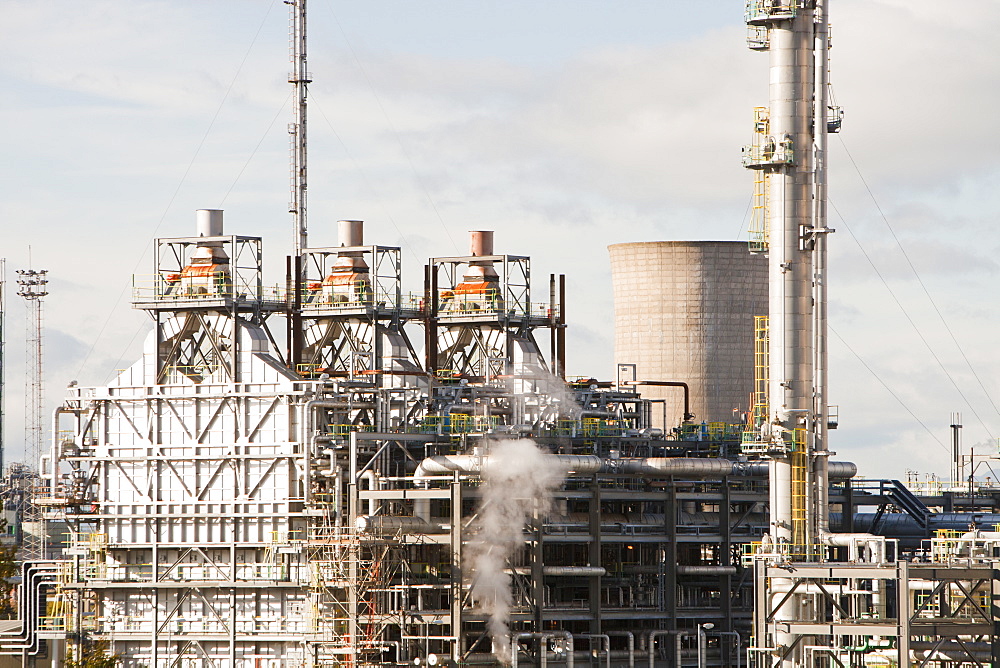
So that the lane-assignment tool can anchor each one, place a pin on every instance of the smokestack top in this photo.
(351, 232)
(209, 222)
(480, 242)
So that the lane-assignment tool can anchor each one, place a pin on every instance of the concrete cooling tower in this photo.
(684, 311)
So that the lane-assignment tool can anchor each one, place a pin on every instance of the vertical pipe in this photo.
(289, 310)
(956, 446)
(297, 334)
(455, 536)
(561, 332)
(821, 511)
(430, 319)
(553, 324)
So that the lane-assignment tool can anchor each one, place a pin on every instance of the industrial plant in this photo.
(345, 470)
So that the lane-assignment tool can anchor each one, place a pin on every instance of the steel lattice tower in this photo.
(32, 287)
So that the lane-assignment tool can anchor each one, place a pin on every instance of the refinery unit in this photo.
(345, 470)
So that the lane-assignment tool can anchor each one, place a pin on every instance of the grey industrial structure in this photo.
(308, 474)
(684, 311)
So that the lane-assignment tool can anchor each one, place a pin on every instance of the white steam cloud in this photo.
(518, 482)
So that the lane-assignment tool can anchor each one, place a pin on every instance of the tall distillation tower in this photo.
(788, 156)
(789, 225)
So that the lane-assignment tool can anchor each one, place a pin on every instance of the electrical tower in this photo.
(32, 287)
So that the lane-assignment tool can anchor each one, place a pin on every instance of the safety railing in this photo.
(949, 547)
(783, 552)
(346, 429)
(200, 287)
(487, 303)
(767, 11)
(711, 431)
(769, 152)
(457, 423)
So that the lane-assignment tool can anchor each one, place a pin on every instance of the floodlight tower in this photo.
(32, 287)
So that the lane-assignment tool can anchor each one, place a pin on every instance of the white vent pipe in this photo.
(351, 232)
(209, 222)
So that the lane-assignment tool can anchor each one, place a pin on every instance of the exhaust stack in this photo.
(349, 280)
(207, 272)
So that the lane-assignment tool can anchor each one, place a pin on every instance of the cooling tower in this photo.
(684, 311)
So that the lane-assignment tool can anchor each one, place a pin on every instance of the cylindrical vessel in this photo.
(684, 311)
(351, 232)
(481, 242)
(209, 222)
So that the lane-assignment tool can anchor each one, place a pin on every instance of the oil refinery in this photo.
(347, 470)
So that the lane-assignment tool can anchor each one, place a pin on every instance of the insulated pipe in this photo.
(396, 524)
(373, 485)
(706, 570)
(837, 470)
(580, 571)
(209, 222)
(739, 642)
(543, 637)
(607, 644)
(854, 541)
(591, 464)
(55, 448)
(702, 468)
(821, 42)
(651, 645)
(631, 644)
(351, 232)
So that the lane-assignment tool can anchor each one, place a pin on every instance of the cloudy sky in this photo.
(565, 125)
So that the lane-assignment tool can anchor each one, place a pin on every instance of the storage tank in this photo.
(684, 311)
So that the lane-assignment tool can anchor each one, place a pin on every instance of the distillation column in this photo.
(785, 157)
(790, 263)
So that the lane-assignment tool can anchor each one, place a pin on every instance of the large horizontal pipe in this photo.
(706, 570)
(641, 466)
(901, 524)
(391, 524)
(574, 571)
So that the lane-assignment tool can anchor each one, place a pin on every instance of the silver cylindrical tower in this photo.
(790, 264)
(684, 311)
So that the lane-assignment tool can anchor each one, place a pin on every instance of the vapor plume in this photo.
(518, 483)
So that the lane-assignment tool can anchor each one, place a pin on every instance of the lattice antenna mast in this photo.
(300, 78)
(32, 287)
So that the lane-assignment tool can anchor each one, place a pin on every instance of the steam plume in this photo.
(518, 482)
